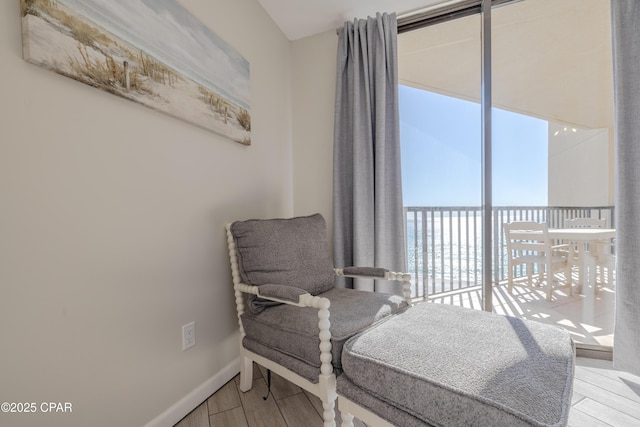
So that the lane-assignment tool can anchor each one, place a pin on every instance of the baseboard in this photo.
(594, 351)
(188, 403)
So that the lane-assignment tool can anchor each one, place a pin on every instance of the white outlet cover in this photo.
(188, 335)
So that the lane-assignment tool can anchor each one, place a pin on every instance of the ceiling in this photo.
(445, 59)
(550, 59)
(298, 19)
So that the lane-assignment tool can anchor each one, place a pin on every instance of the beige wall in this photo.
(111, 231)
(314, 81)
(580, 172)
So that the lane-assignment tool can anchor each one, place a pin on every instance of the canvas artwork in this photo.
(153, 52)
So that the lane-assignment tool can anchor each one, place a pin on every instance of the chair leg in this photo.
(549, 277)
(600, 276)
(510, 283)
(329, 397)
(329, 414)
(347, 419)
(610, 264)
(246, 373)
(345, 413)
(581, 272)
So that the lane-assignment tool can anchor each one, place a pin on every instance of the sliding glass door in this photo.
(550, 158)
(440, 118)
(553, 147)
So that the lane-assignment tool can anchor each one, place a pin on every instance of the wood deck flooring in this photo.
(589, 317)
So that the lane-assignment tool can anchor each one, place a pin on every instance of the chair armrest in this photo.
(378, 274)
(304, 299)
(281, 293)
(272, 295)
(364, 272)
(371, 273)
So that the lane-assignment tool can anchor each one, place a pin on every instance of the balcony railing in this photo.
(444, 244)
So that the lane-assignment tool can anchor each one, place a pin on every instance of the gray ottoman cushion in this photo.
(394, 414)
(452, 366)
(294, 330)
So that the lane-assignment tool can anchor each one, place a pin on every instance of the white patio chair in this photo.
(297, 321)
(529, 245)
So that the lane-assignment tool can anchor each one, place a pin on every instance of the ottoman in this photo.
(441, 365)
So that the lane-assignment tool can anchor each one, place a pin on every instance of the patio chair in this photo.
(600, 250)
(528, 244)
(297, 321)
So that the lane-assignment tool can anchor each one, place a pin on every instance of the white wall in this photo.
(314, 85)
(111, 231)
(580, 167)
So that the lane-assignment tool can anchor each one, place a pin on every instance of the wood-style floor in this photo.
(602, 396)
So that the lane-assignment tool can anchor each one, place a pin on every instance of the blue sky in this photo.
(441, 152)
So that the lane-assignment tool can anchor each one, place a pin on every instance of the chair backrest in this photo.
(290, 252)
(586, 223)
(527, 237)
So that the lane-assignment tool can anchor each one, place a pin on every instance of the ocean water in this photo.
(444, 252)
(444, 244)
(444, 247)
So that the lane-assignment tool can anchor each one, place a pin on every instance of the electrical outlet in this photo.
(188, 335)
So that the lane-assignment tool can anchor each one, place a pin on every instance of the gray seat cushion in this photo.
(395, 415)
(293, 331)
(447, 365)
(291, 252)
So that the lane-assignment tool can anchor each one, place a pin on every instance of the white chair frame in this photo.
(349, 409)
(531, 240)
(325, 389)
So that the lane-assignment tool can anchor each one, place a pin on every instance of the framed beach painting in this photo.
(153, 52)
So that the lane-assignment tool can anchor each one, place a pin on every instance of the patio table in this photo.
(584, 236)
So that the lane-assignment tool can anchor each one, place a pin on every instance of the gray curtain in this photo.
(625, 15)
(367, 190)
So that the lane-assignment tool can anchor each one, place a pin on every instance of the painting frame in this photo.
(153, 52)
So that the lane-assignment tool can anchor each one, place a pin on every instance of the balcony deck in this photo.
(444, 248)
(589, 319)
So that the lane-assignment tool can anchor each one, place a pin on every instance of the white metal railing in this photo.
(444, 243)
